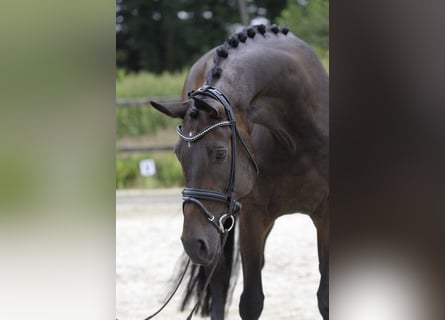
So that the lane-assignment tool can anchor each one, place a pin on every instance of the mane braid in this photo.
(275, 29)
(250, 32)
(222, 52)
(233, 42)
(242, 36)
(261, 29)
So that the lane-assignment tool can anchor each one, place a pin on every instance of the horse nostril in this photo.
(202, 248)
(197, 249)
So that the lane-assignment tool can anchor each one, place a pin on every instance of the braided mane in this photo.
(234, 41)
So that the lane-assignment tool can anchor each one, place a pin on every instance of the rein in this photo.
(215, 264)
(194, 195)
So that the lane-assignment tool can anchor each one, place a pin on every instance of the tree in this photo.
(158, 35)
(309, 20)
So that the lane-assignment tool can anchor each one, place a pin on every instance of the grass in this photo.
(168, 171)
(137, 121)
(145, 84)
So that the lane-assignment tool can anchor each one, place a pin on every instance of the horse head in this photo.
(218, 168)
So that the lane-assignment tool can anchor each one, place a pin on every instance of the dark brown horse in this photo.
(254, 135)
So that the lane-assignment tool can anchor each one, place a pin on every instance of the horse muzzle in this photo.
(200, 250)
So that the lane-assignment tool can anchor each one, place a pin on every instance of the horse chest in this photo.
(289, 193)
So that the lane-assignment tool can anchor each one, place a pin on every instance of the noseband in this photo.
(194, 195)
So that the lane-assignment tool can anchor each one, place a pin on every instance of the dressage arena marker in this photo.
(147, 167)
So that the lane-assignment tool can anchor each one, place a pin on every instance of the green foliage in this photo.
(120, 74)
(140, 120)
(168, 171)
(309, 20)
(325, 61)
(126, 171)
(170, 35)
(146, 84)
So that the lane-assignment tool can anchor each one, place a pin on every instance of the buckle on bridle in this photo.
(223, 219)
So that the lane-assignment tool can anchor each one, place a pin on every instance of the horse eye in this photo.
(216, 154)
(220, 154)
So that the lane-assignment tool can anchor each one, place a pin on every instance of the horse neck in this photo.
(280, 102)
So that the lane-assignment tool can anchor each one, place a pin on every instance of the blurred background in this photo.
(157, 42)
(58, 160)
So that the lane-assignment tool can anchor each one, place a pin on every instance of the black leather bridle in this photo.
(194, 195)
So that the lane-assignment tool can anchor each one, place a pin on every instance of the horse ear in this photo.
(174, 109)
(210, 106)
